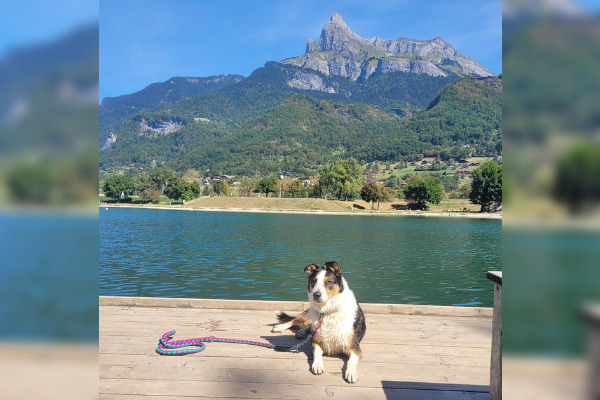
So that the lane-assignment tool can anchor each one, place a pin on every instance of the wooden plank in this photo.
(383, 337)
(237, 390)
(289, 305)
(404, 355)
(261, 320)
(268, 314)
(388, 353)
(390, 394)
(367, 377)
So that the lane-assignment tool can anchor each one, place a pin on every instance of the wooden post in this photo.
(591, 314)
(496, 361)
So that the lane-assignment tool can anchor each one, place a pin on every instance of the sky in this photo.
(30, 22)
(152, 40)
(146, 41)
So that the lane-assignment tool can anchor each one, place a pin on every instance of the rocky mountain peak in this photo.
(342, 52)
(337, 18)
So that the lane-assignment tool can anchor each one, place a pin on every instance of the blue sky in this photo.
(30, 22)
(145, 41)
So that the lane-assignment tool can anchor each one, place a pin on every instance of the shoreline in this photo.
(311, 212)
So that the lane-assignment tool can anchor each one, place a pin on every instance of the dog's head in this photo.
(324, 282)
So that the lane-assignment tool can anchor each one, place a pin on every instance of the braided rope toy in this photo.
(166, 343)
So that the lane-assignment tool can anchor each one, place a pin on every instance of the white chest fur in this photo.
(337, 317)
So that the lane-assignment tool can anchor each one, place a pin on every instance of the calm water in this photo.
(224, 255)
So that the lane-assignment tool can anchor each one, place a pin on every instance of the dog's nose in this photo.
(316, 295)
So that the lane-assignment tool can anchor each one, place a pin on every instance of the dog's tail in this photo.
(283, 317)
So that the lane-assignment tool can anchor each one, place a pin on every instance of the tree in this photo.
(190, 175)
(179, 189)
(155, 196)
(341, 179)
(31, 183)
(450, 182)
(375, 192)
(247, 186)
(162, 177)
(144, 186)
(266, 185)
(420, 191)
(486, 186)
(296, 189)
(221, 188)
(117, 186)
(576, 182)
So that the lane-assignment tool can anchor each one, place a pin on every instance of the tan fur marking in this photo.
(301, 321)
(353, 349)
(310, 268)
(333, 291)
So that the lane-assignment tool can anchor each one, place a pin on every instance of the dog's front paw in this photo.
(351, 376)
(317, 367)
(279, 328)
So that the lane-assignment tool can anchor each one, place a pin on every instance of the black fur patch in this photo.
(336, 279)
(313, 275)
(283, 317)
(360, 327)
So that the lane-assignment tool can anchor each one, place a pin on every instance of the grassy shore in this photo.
(449, 208)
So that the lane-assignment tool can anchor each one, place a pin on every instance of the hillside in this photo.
(115, 110)
(464, 119)
(303, 133)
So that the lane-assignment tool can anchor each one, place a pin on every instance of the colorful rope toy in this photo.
(166, 343)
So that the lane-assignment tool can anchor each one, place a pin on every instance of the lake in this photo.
(261, 256)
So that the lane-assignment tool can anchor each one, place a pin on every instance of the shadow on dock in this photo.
(421, 390)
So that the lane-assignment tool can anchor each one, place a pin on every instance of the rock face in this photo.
(109, 139)
(306, 81)
(342, 52)
(159, 128)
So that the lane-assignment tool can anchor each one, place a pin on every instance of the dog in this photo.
(339, 320)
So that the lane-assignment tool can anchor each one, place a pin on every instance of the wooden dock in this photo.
(409, 352)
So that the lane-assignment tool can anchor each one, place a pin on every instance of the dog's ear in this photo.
(332, 265)
(309, 269)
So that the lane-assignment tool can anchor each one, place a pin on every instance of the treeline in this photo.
(342, 180)
(163, 181)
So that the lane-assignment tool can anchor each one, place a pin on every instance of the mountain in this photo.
(464, 119)
(234, 99)
(295, 118)
(342, 52)
(303, 133)
(115, 110)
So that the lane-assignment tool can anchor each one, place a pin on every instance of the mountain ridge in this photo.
(303, 133)
(342, 52)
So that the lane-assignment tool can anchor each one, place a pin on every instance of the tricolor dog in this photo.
(334, 307)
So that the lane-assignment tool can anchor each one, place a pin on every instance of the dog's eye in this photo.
(330, 284)
(314, 281)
